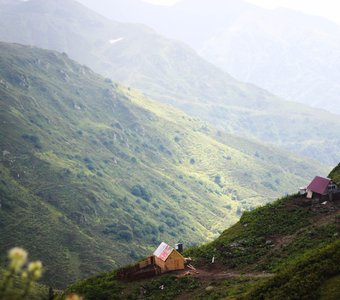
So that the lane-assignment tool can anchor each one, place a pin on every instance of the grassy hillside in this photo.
(286, 250)
(335, 174)
(296, 241)
(94, 175)
(313, 276)
(273, 236)
(171, 72)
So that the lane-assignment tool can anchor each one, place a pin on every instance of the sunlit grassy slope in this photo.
(169, 71)
(94, 175)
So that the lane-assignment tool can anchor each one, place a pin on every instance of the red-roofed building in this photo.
(164, 259)
(320, 187)
(168, 259)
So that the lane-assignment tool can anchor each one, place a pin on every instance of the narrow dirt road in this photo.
(206, 276)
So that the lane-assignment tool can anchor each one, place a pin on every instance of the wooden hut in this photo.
(168, 259)
(320, 187)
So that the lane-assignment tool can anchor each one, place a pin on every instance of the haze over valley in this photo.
(124, 124)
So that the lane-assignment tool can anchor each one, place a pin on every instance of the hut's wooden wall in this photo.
(175, 261)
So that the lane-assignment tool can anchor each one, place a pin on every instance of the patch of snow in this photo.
(113, 41)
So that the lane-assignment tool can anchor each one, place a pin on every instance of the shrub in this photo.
(91, 167)
(140, 191)
(125, 235)
(87, 160)
(33, 139)
(217, 179)
(239, 211)
(161, 228)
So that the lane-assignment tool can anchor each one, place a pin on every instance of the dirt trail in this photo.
(206, 276)
(209, 275)
(216, 272)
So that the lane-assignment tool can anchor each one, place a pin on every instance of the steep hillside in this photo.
(286, 250)
(93, 175)
(335, 174)
(316, 275)
(273, 236)
(171, 72)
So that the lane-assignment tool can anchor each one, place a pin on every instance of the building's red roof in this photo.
(163, 251)
(319, 185)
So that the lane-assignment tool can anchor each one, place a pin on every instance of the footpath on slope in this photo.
(215, 273)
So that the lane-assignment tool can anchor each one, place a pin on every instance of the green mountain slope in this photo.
(93, 175)
(271, 223)
(314, 276)
(171, 72)
(335, 174)
(286, 250)
(274, 235)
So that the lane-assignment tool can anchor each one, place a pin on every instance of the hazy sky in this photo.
(326, 8)
(162, 2)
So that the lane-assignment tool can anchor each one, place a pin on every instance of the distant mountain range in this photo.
(293, 55)
(171, 72)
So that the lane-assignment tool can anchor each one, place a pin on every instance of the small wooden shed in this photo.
(168, 259)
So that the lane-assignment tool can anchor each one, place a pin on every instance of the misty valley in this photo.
(180, 151)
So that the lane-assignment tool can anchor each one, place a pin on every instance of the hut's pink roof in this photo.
(319, 185)
(163, 251)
